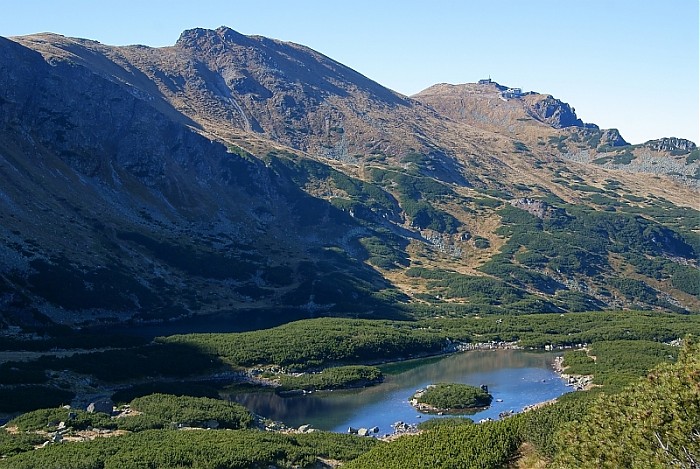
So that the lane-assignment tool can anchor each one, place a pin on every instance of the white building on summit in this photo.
(512, 93)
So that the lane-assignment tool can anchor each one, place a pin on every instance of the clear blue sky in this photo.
(627, 64)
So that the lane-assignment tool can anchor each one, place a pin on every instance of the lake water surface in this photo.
(516, 377)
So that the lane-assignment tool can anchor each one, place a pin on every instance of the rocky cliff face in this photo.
(671, 145)
(551, 111)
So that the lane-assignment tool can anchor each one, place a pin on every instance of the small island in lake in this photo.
(451, 398)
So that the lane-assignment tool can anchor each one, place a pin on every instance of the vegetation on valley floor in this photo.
(332, 378)
(154, 411)
(446, 445)
(315, 344)
(153, 441)
(616, 363)
(327, 341)
(231, 449)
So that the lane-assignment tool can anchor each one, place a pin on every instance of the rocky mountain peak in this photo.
(477, 102)
(197, 37)
(288, 92)
(610, 137)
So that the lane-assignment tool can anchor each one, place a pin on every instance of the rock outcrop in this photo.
(105, 406)
(534, 207)
(552, 111)
(671, 144)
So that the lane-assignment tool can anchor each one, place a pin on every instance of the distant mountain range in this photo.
(258, 178)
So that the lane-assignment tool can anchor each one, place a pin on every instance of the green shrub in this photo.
(487, 445)
(333, 378)
(653, 423)
(454, 396)
(48, 419)
(686, 279)
(192, 411)
(481, 243)
(11, 444)
(239, 449)
(432, 424)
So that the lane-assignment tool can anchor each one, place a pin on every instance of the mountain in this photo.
(257, 178)
(541, 119)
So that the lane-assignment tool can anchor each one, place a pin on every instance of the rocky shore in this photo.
(578, 382)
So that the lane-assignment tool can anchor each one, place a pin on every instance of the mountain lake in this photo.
(515, 378)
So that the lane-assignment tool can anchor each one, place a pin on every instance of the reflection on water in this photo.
(518, 378)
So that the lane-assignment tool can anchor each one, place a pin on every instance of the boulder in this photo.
(101, 405)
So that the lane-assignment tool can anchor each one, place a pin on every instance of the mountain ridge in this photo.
(230, 172)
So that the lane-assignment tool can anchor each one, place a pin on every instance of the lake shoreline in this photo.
(516, 379)
(253, 374)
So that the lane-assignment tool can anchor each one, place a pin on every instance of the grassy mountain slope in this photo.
(238, 173)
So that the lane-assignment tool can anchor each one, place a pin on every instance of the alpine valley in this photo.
(264, 184)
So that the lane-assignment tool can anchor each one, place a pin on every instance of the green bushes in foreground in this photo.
(11, 444)
(192, 411)
(48, 420)
(655, 423)
(231, 449)
(155, 411)
(487, 445)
